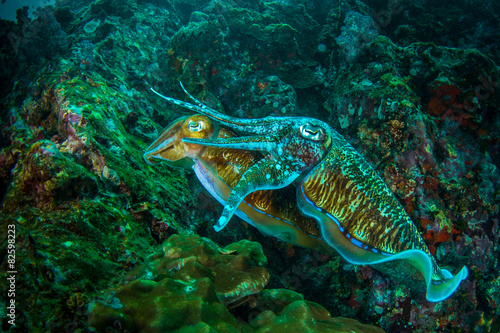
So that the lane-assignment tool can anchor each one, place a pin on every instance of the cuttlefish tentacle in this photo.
(357, 213)
(261, 176)
(274, 213)
(256, 126)
(258, 143)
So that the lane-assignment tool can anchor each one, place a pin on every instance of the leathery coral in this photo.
(188, 285)
(196, 286)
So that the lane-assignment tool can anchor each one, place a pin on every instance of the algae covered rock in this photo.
(196, 286)
(164, 306)
(190, 284)
(284, 310)
(46, 177)
(299, 316)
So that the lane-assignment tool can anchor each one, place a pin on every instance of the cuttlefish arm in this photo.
(260, 176)
(288, 158)
(358, 215)
(241, 125)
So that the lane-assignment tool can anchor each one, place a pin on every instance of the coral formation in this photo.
(188, 286)
(357, 34)
(414, 89)
(193, 283)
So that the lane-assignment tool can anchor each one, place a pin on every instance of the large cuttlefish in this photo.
(274, 213)
(356, 212)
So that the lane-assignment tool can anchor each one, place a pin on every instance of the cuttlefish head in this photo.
(170, 147)
(292, 146)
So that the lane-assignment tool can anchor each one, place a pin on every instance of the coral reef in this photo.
(188, 286)
(43, 34)
(357, 34)
(193, 285)
(413, 86)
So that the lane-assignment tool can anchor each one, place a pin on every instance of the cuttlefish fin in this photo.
(267, 174)
(437, 291)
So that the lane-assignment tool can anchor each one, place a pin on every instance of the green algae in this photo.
(91, 26)
(184, 290)
(91, 212)
(84, 183)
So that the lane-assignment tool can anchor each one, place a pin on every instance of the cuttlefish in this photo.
(274, 213)
(356, 212)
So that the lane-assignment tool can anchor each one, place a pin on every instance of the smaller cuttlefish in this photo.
(356, 212)
(275, 212)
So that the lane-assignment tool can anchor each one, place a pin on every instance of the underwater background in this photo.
(95, 239)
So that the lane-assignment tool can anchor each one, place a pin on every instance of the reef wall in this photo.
(412, 86)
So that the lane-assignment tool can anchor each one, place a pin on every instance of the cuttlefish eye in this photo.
(311, 132)
(196, 126)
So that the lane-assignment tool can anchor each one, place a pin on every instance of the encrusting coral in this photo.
(417, 97)
(193, 279)
(194, 283)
